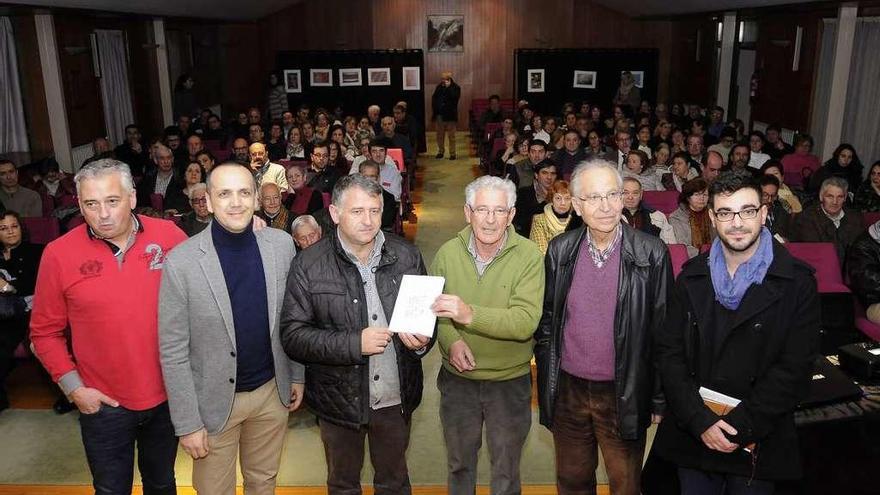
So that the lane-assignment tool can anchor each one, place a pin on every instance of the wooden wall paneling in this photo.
(33, 93)
(144, 80)
(239, 67)
(82, 95)
(692, 79)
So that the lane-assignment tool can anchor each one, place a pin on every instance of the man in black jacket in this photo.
(596, 380)
(363, 380)
(445, 105)
(743, 321)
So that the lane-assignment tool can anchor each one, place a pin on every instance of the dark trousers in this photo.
(585, 417)
(696, 482)
(110, 437)
(505, 408)
(12, 332)
(388, 434)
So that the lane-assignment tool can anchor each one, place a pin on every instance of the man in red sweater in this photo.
(101, 280)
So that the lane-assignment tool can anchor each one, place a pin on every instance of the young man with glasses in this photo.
(743, 321)
(596, 380)
(487, 315)
(319, 175)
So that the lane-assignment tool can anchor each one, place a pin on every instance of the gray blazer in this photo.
(197, 334)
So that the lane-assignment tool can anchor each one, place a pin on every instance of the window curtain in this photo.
(13, 132)
(822, 92)
(115, 90)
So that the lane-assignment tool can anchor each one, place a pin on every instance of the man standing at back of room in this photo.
(101, 280)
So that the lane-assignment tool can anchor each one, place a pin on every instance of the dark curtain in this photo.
(354, 100)
(559, 66)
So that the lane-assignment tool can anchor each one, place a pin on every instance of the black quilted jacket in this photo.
(324, 313)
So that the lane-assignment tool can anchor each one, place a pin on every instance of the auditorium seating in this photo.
(156, 201)
(870, 218)
(662, 201)
(42, 230)
(679, 256)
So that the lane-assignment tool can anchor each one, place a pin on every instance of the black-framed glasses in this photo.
(727, 215)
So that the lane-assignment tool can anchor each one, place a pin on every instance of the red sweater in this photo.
(111, 309)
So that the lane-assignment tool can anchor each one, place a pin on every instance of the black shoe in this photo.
(452, 156)
(63, 406)
(439, 155)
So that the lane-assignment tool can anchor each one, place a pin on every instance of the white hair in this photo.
(373, 107)
(103, 167)
(490, 182)
(304, 220)
(590, 165)
(201, 186)
(834, 182)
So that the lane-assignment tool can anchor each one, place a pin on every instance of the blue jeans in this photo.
(696, 482)
(110, 436)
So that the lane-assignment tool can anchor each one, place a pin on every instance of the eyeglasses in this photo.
(484, 211)
(727, 215)
(596, 199)
(199, 201)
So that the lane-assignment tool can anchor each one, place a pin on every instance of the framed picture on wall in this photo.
(293, 81)
(379, 77)
(638, 77)
(584, 79)
(445, 33)
(412, 78)
(350, 77)
(321, 77)
(536, 81)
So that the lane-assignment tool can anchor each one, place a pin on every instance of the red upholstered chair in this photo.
(42, 230)
(156, 202)
(870, 218)
(679, 255)
(327, 197)
(823, 258)
(284, 163)
(491, 127)
(866, 326)
(396, 154)
(663, 201)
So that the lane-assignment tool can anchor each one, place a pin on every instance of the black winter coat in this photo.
(642, 293)
(863, 267)
(762, 356)
(322, 318)
(444, 102)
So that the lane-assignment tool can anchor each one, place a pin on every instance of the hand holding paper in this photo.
(412, 309)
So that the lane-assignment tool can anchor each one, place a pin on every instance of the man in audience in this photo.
(271, 210)
(696, 152)
(830, 220)
(522, 172)
(739, 158)
(255, 133)
(99, 284)
(166, 182)
(319, 176)
(254, 116)
(596, 379)
(215, 130)
(493, 114)
(743, 321)
(716, 125)
(373, 112)
(725, 143)
(531, 199)
(370, 170)
(196, 220)
(390, 178)
(264, 170)
(303, 114)
(52, 186)
(240, 151)
(230, 385)
(100, 149)
(778, 220)
(863, 268)
(487, 314)
(288, 121)
(362, 380)
(623, 142)
(396, 140)
(305, 231)
(132, 152)
(26, 202)
(571, 153)
(406, 125)
(184, 124)
(775, 147)
(640, 216)
(194, 145)
(711, 166)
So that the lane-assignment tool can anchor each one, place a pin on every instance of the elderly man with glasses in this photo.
(491, 306)
(596, 380)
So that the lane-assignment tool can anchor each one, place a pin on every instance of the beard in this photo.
(743, 245)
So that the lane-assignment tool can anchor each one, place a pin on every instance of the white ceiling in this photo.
(255, 9)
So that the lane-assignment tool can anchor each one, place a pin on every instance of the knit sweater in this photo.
(506, 302)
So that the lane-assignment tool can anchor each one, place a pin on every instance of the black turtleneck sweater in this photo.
(246, 284)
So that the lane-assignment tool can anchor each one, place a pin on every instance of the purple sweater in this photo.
(588, 335)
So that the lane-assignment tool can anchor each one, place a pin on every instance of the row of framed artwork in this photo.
(381, 76)
(583, 79)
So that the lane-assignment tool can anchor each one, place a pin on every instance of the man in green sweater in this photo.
(492, 305)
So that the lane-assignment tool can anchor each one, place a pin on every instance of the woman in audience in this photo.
(680, 172)
(337, 157)
(793, 164)
(503, 156)
(365, 126)
(844, 163)
(301, 199)
(337, 135)
(661, 159)
(643, 140)
(277, 145)
(595, 116)
(176, 202)
(662, 133)
(638, 167)
(18, 275)
(628, 93)
(679, 141)
(868, 195)
(537, 129)
(863, 267)
(690, 222)
(322, 124)
(295, 144)
(351, 136)
(787, 197)
(308, 134)
(595, 147)
(206, 160)
(553, 220)
(756, 146)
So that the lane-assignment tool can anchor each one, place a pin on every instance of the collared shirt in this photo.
(384, 376)
(258, 175)
(480, 263)
(598, 256)
(162, 182)
(119, 253)
(835, 219)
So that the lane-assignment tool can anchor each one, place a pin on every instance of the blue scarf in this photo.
(729, 292)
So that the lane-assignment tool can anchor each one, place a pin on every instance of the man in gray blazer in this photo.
(230, 384)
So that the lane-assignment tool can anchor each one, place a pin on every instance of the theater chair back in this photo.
(396, 154)
(663, 201)
(823, 258)
(157, 201)
(42, 230)
(870, 218)
(679, 255)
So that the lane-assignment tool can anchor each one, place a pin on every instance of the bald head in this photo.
(259, 157)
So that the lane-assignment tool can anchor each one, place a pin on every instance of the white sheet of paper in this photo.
(412, 310)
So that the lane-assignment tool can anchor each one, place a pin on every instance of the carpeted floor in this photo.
(39, 447)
